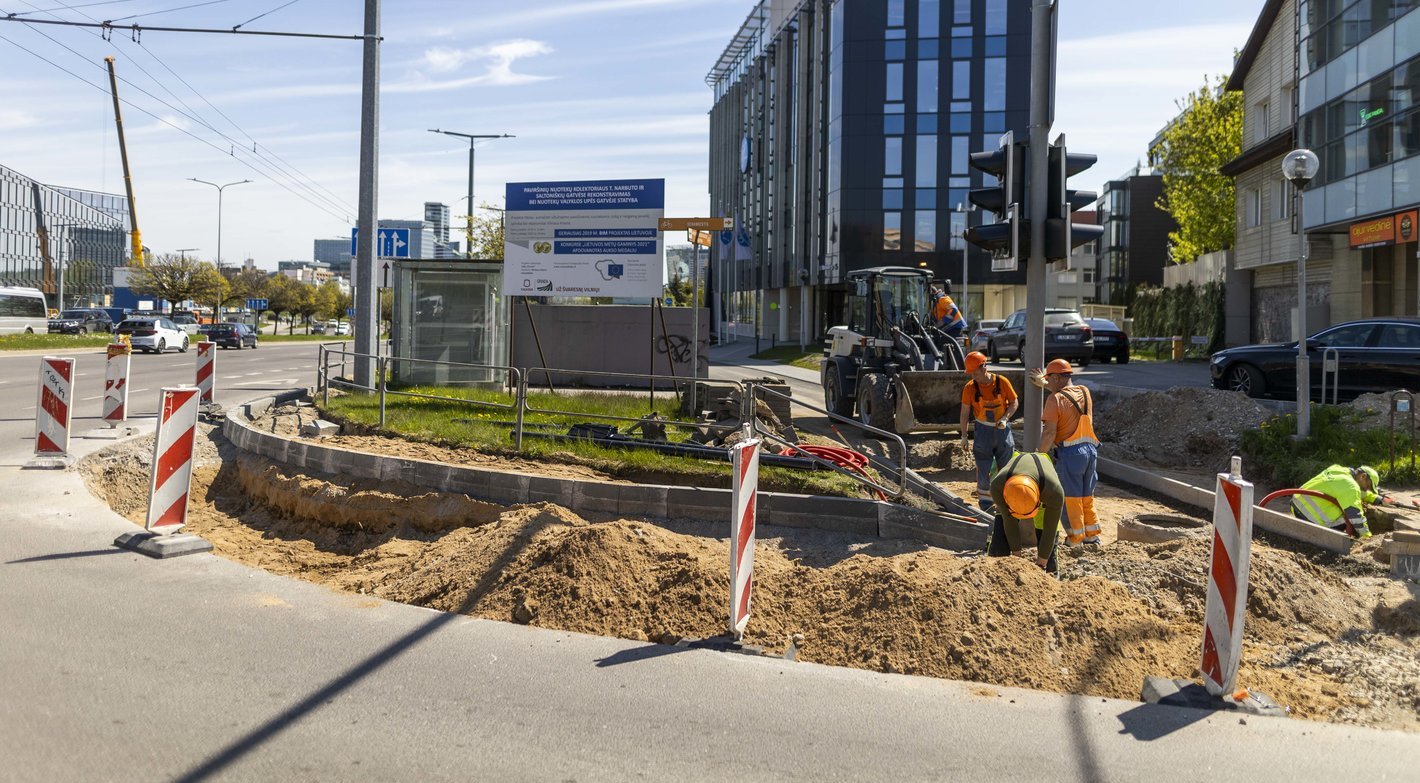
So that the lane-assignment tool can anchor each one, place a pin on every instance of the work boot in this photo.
(1093, 542)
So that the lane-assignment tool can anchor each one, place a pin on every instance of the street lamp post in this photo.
(472, 140)
(217, 310)
(964, 209)
(183, 251)
(1299, 166)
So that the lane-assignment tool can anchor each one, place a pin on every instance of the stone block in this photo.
(320, 428)
(706, 504)
(1405, 537)
(896, 521)
(396, 469)
(1405, 567)
(358, 464)
(161, 546)
(596, 497)
(507, 488)
(839, 515)
(642, 500)
(546, 489)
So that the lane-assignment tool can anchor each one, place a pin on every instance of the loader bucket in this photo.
(930, 401)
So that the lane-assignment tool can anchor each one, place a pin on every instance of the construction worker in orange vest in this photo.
(1067, 429)
(945, 313)
(990, 401)
(1027, 487)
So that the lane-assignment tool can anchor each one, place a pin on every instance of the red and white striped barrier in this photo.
(1227, 582)
(53, 412)
(172, 458)
(745, 487)
(116, 383)
(206, 370)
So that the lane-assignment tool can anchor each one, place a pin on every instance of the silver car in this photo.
(154, 335)
(981, 335)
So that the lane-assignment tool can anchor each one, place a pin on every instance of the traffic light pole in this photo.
(1037, 170)
(367, 294)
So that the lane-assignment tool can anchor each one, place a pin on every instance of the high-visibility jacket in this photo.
(1337, 482)
(945, 312)
(1052, 498)
(988, 403)
(1072, 409)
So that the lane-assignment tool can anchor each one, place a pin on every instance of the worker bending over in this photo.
(1068, 430)
(1352, 489)
(945, 313)
(1027, 487)
(990, 401)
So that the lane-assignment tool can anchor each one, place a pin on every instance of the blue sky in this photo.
(591, 88)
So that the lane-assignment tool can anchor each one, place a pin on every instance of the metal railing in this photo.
(1330, 366)
(1402, 402)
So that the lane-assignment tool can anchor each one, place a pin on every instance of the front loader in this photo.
(888, 365)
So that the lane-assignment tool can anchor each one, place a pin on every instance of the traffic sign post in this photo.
(389, 242)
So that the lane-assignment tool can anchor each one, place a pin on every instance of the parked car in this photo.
(317, 328)
(22, 310)
(186, 322)
(81, 320)
(1110, 341)
(1067, 336)
(342, 328)
(980, 336)
(1373, 355)
(232, 335)
(154, 334)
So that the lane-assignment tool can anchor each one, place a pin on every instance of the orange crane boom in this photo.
(138, 259)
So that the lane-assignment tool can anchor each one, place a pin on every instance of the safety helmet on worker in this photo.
(975, 361)
(1022, 496)
(1371, 474)
(1059, 367)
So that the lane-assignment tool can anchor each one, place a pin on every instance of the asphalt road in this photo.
(117, 667)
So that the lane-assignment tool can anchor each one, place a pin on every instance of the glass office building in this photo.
(51, 235)
(839, 140)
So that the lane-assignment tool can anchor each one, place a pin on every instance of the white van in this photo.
(23, 311)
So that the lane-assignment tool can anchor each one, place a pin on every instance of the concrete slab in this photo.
(596, 497)
(48, 463)
(704, 503)
(900, 522)
(110, 433)
(320, 428)
(545, 489)
(160, 546)
(643, 500)
(842, 515)
(1187, 693)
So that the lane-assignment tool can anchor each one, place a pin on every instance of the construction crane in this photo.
(138, 259)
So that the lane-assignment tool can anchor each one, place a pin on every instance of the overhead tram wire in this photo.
(168, 11)
(273, 171)
(268, 13)
(138, 30)
(169, 123)
(69, 7)
(324, 193)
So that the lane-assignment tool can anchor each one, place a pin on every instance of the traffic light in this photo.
(1061, 235)
(1009, 239)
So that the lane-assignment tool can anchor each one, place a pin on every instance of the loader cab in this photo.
(882, 297)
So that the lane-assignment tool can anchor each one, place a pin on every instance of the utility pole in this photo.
(366, 295)
(218, 311)
(472, 139)
(1041, 61)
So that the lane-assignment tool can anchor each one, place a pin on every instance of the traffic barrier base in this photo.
(159, 546)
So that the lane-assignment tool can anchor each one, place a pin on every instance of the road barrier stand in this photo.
(116, 383)
(1227, 582)
(745, 459)
(206, 370)
(172, 459)
(54, 409)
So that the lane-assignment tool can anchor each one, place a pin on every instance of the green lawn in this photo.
(304, 338)
(56, 342)
(793, 354)
(488, 429)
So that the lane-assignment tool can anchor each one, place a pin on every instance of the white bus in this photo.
(23, 311)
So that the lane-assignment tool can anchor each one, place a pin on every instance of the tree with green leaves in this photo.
(488, 234)
(1206, 134)
(330, 303)
(175, 279)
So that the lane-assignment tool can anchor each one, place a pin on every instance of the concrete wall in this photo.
(607, 338)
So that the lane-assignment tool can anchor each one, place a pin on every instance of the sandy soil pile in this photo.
(1120, 614)
(1182, 427)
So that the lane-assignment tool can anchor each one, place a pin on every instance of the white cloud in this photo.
(499, 59)
(15, 118)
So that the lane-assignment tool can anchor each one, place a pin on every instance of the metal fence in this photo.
(518, 395)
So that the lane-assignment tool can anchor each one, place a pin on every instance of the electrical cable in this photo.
(268, 13)
(66, 8)
(168, 11)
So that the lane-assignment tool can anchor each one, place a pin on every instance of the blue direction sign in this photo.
(390, 242)
(256, 304)
(349, 312)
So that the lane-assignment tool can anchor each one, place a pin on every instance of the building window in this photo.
(924, 231)
(961, 11)
(994, 84)
(892, 156)
(1254, 207)
(1282, 200)
(926, 161)
(995, 17)
(961, 154)
(896, 13)
(928, 18)
(892, 231)
(961, 79)
(893, 87)
(1264, 121)
(927, 86)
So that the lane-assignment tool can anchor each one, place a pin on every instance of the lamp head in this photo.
(1300, 166)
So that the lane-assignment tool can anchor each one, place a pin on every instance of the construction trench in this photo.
(1329, 636)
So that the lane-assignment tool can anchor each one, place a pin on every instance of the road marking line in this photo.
(90, 399)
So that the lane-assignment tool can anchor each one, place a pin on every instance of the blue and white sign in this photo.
(596, 238)
(256, 304)
(389, 242)
(349, 312)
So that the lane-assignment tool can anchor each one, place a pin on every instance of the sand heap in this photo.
(1182, 427)
(1120, 614)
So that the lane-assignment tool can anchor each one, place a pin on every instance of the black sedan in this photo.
(1371, 355)
(231, 335)
(1110, 341)
(81, 321)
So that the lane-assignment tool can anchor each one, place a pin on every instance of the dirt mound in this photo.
(1182, 427)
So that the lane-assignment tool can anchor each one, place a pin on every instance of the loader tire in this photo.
(834, 400)
(875, 407)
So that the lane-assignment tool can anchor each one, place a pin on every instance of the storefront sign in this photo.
(1406, 227)
(1380, 231)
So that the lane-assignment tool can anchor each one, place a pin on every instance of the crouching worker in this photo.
(990, 401)
(1347, 491)
(1027, 487)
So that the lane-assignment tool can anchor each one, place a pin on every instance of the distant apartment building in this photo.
(1342, 79)
(839, 140)
(1135, 245)
(1071, 283)
(334, 253)
(312, 272)
(49, 232)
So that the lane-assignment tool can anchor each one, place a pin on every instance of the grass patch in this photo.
(304, 338)
(792, 354)
(473, 423)
(1338, 437)
(58, 342)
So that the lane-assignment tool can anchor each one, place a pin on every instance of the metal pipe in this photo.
(670, 360)
(380, 381)
(1039, 152)
(1304, 366)
(537, 341)
(522, 403)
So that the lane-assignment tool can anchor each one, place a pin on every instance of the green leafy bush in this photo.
(1338, 437)
(1182, 311)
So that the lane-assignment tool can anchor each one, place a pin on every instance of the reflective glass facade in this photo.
(45, 229)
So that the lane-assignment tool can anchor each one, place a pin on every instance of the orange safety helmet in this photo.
(1059, 366)
(1022, 496)
(975, 360)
